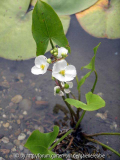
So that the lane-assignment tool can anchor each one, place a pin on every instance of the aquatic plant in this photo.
(47, 28)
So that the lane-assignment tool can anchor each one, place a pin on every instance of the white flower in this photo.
(63, 72)
(41, 65)
(66, 86)
(58, 91)
(61, 51)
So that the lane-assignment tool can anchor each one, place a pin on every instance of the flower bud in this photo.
(55, 49)
(55, 54)
(64, 55)
(53, 78)
(49, 61)
(66, 86)
(58, 90)
(51, 51)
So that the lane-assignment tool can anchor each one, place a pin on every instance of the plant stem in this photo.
(104, 145)
(78, 123)
(72, 95)
(67, 95)
(92, 90)
(96, 78)
(65, 135)
(68, 105)
(51, 44)
(99, 134)
(79, 97)
(70, 109)
(79, 93)
(49, 69)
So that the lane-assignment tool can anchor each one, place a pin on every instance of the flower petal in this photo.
(62, 84)
(40, 60)
(60, 65)
(70, 84)
(62, 50)
(61, 93)
(37, 71)
(56, 87)
(61, 78)
(71, 70)
(67, 90)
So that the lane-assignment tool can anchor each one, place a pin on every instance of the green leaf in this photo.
(68, 7)
(46, 26)
(91, 65)
(40, 142)
(16, 41)
(42, 139)
(82, 81)
(94, 102)
(102, 20)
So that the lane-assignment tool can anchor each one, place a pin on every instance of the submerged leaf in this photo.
(102, 20)
(94, 102)
(47, 27)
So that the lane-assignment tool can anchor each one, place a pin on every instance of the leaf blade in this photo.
(47, 26)
(108, 19)
(91, 65)
(69, 7)
(94, 102)
(42, 139)
(82, 81)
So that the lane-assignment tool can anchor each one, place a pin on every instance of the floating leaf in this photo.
(16, 41)
(38, 143)
(68, 7)
(94, 102)
(33, 2)
(47, 27)
(90, 66)
(102, 20)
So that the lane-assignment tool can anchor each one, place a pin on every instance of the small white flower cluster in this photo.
(60, 71)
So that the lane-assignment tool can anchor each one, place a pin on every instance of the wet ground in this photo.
(27, 102)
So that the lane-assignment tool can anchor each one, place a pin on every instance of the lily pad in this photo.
(16, 40)
(102, 20)
(68, 7)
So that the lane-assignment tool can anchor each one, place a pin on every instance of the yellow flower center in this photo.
(42, 66)
(62, 72)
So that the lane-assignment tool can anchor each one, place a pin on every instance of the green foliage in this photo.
(39, 143)
(68, 7)
(16, 41)
(90, 66)
(94, 102)
(102, 20)
(47, 27)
